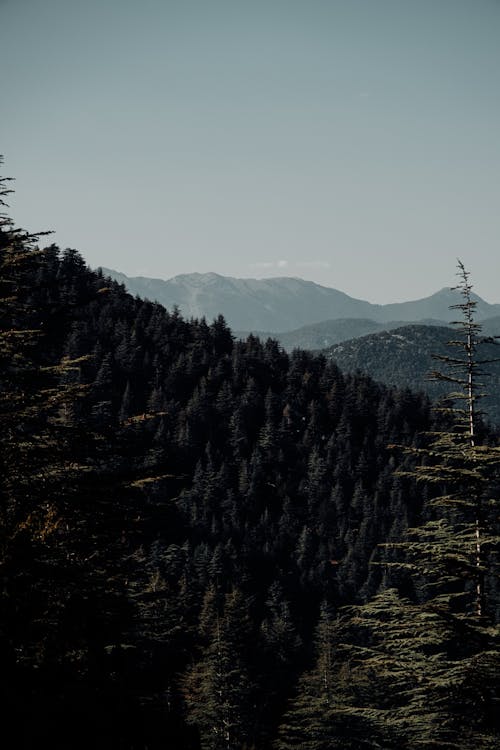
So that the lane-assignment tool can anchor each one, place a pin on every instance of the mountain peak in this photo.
(280, 304)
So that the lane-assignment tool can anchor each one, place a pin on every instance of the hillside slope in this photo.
(329, 332)
(403, 358)
(177, 506)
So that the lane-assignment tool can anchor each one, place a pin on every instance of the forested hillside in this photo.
(404, 357)
(330, 332)
(184, 517)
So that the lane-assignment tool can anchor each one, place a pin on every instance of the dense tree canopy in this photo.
(183, 518)
(421, 670)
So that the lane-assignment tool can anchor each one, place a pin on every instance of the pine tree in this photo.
(469, 470)
(306, 723)
(38, 468)
(217, 689)
(435, 660)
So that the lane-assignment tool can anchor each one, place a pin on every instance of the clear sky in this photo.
(355, 143)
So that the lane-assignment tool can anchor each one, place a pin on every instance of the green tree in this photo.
(217, 688)
(435, 659)
(307, 723)
(38, 469)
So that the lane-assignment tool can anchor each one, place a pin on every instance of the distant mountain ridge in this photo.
(283, 304)
(322, 335)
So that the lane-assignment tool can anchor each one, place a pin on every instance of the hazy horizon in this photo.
(350, 143)
(279, 277)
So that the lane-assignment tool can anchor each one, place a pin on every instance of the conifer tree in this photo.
(435, 659)
(37, 468)
(307, 722)
(217, 689)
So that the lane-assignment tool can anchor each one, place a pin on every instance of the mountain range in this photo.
(330, 332)
(283, 304)
(392, 343)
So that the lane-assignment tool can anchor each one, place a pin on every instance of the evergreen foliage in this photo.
(423, 669)
(183, 516)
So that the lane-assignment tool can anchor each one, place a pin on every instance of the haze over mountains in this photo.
(330, 332)
(278, 305)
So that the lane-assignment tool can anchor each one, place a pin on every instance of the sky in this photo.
(355, 143)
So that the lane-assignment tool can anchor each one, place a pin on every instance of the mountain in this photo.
(278, 304)
(283, 304)
(329, 332)
(177, 505)
(491, 326)
(403, 358)
(437, 306)
(189, 529)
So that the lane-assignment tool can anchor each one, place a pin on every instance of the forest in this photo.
(211, 544)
